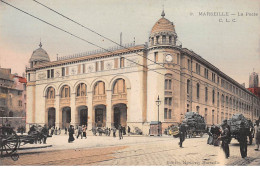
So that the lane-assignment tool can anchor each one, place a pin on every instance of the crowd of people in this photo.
(223, 134)
(81, 131)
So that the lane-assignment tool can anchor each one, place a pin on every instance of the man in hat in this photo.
(182, 133)
(225, 137)
(243, 133)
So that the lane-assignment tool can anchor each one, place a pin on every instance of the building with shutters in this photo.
(120, 86)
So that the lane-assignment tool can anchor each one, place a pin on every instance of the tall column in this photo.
(90, 110)
(108, 108)
(58, 113)
(73, 109)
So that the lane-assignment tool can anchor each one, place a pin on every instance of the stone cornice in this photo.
(88, 58)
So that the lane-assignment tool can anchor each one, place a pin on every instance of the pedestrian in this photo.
(66, 130)
(84, 130)
(109, 131)
(71, 132)
(225, 137)
(44, 134)
(56, 131)
(120, 132)
(114, 132)
(257, 135)
(242, 135)
(128, 130)
(182, 133)
(210, 133)
(94, 131)
(79, 132)
(52, 130)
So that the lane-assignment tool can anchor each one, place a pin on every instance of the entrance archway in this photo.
(83, 115)
(100, 115)
(120, 115)
(51, 117)
(66, 117)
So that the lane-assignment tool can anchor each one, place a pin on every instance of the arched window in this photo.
(99, 88)
(198, 90)
(119, 86)
(65, 91)
(50, 94)
(81, 90)
(197, 109)
(188, 86)
(206, 94)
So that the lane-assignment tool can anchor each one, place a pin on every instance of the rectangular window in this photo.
(206, 73)
(197, 68)
(170, 101)
(170, 39)
(157, 39)
(165, 101)
(163, 39)
(29, 77)
(48, 74)
(67, 71)
(102, 65)
(165, 113)
(165, 84)
(188, 64)
(79, 69)
(122, 62)
(156, 56)
(178, 58)
(63, 71)
(83, 68)
(116, 63)
(170, 84)
(170, 114)
(97, 66)
(52, 73)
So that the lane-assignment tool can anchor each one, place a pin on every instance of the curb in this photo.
(36, 147)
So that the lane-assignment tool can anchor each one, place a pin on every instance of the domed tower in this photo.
(39, 56)
(163, 32)
(164, 72)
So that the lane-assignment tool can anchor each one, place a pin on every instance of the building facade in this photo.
(12, 99)
(120, 86)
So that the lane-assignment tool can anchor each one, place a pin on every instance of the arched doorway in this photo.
(66, 117)
(83, 115)
(100, 115)
(120, 115)
(51, 117)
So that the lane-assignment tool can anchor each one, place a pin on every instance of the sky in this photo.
(233, 47)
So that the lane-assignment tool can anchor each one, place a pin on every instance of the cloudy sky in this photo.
(233, 47)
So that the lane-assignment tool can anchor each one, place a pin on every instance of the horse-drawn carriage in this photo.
(10, 141)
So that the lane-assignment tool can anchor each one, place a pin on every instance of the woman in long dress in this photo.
(71, 132)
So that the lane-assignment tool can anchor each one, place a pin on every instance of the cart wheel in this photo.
(15, 157)
(9, 142)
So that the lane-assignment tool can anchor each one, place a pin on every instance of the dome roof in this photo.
(163, 25)
(39, 55)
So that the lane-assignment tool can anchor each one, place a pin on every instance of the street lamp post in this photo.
(158, 102)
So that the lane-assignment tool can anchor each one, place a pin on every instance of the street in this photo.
(133, 150)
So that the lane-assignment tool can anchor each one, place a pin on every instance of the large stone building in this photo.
(121, 86)
(12, 99)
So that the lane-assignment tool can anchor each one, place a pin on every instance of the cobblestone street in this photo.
(134, 150)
